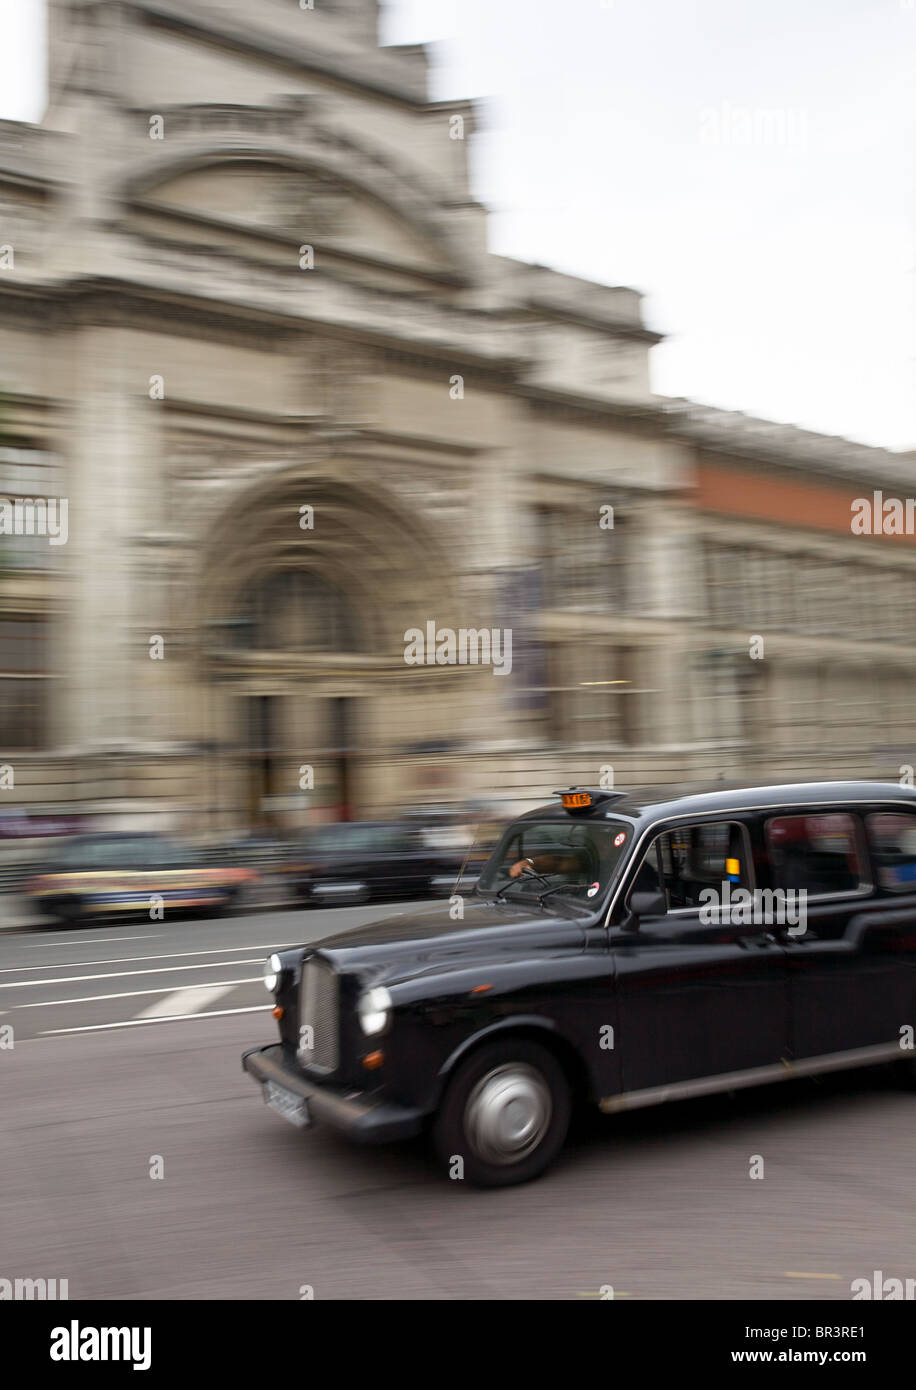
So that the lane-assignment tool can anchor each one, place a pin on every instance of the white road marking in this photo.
(134, 993)
(87, 941)
(195, 1000)
(165, 955)
(172, 1018)
(119, 974)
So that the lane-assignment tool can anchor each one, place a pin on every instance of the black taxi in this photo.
(619, 950)
(356, 861)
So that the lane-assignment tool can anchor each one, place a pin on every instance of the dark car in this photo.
(129, 874)
(355, 861)
(621, 951)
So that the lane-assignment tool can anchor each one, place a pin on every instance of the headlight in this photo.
(273, 969)
(374, 1010)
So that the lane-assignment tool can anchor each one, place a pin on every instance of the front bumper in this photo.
(365, 1118)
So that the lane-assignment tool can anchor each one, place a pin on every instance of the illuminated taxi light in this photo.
(277, 1011)
(481, 989)
(577, 799)
(373, 1060)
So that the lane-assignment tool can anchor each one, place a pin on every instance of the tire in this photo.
(505, 1113)
(71, 913)
(223, 908)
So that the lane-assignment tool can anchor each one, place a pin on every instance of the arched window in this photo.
(296, 611)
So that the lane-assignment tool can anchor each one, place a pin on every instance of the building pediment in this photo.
(283, 170)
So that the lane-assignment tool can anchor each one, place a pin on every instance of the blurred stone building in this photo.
(251, 331)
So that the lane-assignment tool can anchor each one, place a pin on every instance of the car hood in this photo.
(414, 943)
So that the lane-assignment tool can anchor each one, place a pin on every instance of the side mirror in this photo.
(648, 904)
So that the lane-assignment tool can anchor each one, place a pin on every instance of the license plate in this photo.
(287, 1104)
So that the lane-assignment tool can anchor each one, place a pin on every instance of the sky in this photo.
(750, 165)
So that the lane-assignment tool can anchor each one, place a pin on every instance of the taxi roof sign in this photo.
(576, 799)
(585, 798)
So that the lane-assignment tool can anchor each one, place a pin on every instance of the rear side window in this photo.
(817, 853)
(893, 849)
(684, 862)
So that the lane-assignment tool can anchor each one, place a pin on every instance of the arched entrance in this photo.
(286, 616)
(302, 646)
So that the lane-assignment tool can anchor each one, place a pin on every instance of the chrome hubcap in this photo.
(508, 1113)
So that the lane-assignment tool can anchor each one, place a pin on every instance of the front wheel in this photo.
(504, 1115)
(70, 912)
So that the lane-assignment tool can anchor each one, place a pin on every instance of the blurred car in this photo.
(128, 874)
(471, 832)
(266, 854)
(355, 861)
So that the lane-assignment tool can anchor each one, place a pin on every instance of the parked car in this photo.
(620, 951)
(355, 861)
(129, 874)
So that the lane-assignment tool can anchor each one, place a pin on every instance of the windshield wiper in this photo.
(558, 888)
(529, 873)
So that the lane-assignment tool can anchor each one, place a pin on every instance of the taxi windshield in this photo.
(571, 859)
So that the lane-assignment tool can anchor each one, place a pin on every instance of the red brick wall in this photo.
(737, 489)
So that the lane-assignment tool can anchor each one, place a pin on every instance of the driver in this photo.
(581, 860)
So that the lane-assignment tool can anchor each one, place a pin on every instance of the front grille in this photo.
(318, 1012)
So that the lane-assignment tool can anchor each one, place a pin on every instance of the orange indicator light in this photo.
(576, 799)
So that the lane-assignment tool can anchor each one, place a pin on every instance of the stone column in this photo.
(667, 569)
(107, 453)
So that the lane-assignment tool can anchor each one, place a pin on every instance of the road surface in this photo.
(126, 1061)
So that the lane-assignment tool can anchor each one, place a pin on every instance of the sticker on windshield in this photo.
(619, 839)
(593, 889)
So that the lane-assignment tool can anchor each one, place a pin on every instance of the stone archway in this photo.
(307, 583)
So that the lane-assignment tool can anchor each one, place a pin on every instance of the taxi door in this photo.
(852, 954)
(701, 993)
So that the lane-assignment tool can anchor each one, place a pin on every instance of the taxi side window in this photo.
(700, 857)
(682, 863)
(893, 850)
(817, 853)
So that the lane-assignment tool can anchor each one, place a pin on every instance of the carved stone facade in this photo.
(252, 332)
